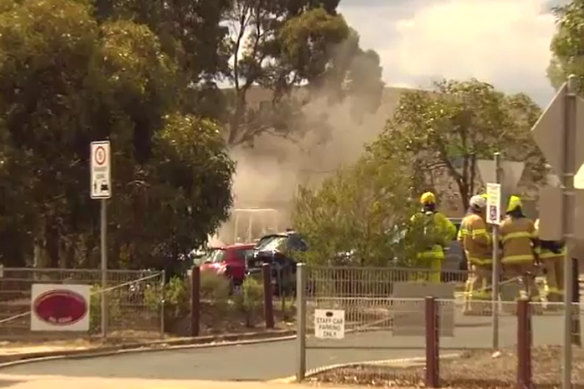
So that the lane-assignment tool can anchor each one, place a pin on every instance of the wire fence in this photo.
(134, 301)
(388, 331)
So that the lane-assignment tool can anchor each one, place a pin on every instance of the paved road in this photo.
(277, 359)
(248, 362)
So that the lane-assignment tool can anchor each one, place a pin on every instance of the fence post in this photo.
(524, 344)
(268, 296)
(300, 321)
(195, 300)
(162, 302)
(575, 308)
(432, 343)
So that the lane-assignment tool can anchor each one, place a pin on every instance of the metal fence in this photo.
(134, 301)
(385, 342)
(373, 309)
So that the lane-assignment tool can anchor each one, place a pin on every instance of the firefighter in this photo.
(552, 254)
(477, 244)
(460, 237)
(438, 232)
(519, 242)
(462, 232)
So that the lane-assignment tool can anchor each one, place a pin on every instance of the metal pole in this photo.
(268, 295)
(162, 302)
(103, 249)
(567, 223)
(576, 329)
(195, 300)
(496, 271)
(524, 340)
(432, 343)
(300, 321)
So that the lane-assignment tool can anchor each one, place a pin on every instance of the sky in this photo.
(504, 42)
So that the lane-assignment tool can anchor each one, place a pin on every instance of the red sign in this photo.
(60, 307)
(99, 155)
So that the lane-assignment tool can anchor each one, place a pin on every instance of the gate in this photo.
(134, 300)
(383, 309)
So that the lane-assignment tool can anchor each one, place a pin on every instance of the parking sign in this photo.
(100, 185)
(493, 203)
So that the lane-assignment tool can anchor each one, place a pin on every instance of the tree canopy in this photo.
(567, 45)
(146, 75)
(363, 208)
(67, 79)
(443, 132)
(274, 45)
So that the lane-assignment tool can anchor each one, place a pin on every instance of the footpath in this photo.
(54, 382)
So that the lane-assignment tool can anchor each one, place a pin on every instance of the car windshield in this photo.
(215, 256)
(276, 243)
(264, 241)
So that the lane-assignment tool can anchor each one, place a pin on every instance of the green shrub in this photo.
(176, 299)
(215, 288)
(250, 300)
(114, 310)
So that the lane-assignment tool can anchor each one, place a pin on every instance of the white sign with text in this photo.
(493, 203)
(101, 185)
(329, 324)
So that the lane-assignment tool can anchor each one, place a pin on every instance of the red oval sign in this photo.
(60, 307)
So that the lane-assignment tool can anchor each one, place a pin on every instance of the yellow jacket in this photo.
(517, 238)
(442, 231)
(476, 240)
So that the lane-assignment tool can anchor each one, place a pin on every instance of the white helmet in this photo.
(478, 202)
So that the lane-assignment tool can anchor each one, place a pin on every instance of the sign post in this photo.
(100, 188)
(494, 218)
(501, 179)
(558, 133)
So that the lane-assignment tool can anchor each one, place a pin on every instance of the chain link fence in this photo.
(134, 300)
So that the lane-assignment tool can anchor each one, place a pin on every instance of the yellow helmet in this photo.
(514, 203)
(428, 198)
(485, 196)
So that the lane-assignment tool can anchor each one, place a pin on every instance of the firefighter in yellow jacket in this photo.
(461, 235)
(477, 244)
(438, 233)
(552, 255)
(519, 241)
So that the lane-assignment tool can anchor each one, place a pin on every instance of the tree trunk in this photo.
(52, 243)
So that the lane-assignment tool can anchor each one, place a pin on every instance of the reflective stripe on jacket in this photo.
(442, 232)
(517, 239)
(476, 240)
(544, 254)
(549, 250)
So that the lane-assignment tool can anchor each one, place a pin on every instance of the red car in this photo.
(229, 261)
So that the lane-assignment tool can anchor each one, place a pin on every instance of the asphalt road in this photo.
(273, 360)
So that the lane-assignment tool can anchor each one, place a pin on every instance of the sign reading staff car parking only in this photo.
(329, 324)
(100, 185)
